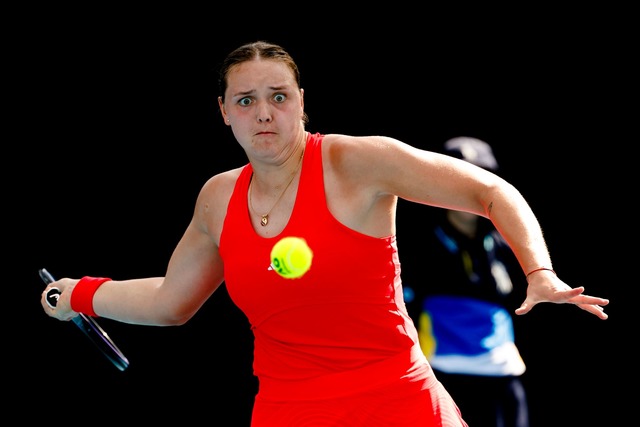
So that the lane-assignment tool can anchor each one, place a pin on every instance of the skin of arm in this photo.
(381, 169)
(364, 177)
(194, 272)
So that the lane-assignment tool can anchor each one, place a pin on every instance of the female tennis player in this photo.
(335, 347)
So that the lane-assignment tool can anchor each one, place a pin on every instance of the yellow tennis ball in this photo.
(291, 257)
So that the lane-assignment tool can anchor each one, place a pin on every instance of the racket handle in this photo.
(53, 293)
(52, 297)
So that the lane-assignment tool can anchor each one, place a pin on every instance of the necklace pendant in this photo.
(264, 220)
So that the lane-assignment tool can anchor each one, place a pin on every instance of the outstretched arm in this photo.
(443, 181)
(194, 272)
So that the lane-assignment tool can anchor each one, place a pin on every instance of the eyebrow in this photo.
(273, 88)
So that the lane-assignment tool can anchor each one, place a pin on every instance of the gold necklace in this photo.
(264, 218)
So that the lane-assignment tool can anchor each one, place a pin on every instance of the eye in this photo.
(244, 101)
(279, 98)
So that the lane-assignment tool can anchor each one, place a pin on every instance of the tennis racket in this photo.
(89, 327)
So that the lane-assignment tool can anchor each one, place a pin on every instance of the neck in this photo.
(269, 178)
(277, 192)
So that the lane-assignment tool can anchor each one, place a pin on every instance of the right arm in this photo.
(194, 272)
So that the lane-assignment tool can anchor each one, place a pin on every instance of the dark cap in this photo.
(472, 150)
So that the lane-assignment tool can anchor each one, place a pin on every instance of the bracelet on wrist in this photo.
(539, 269)
(82, 295)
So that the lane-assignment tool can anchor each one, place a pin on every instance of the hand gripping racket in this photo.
(89, 326)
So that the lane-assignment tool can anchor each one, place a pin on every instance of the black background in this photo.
(117, 127)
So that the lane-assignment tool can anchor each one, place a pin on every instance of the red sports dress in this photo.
(335, 347)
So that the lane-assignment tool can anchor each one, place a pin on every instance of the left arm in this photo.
(393, 168)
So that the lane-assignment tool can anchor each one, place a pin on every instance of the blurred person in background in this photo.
(459, 290)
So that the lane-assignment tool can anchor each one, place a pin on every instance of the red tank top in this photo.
(346, 313)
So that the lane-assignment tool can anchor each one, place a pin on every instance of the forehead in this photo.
(259, 73)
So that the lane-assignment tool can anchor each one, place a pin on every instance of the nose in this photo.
(264, 118)
(264, 115)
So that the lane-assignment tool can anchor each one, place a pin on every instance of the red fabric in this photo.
(341, 330)
(82, 295)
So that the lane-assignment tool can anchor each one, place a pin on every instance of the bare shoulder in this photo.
(366, 143)
(360, 174)
(213, 199)
(360, 154)
(378, 165)
(221, 183)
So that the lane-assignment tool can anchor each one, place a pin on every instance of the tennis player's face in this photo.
(263, 105)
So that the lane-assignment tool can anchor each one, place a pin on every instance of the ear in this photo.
(302, 100)
(225, 118)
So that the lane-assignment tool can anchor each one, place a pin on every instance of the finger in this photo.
(595, 310)
(573, 293)
(525, 307)
(596, 300)
(587, 299)
(43, 298)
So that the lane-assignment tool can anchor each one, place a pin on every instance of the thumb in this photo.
(524, 308)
